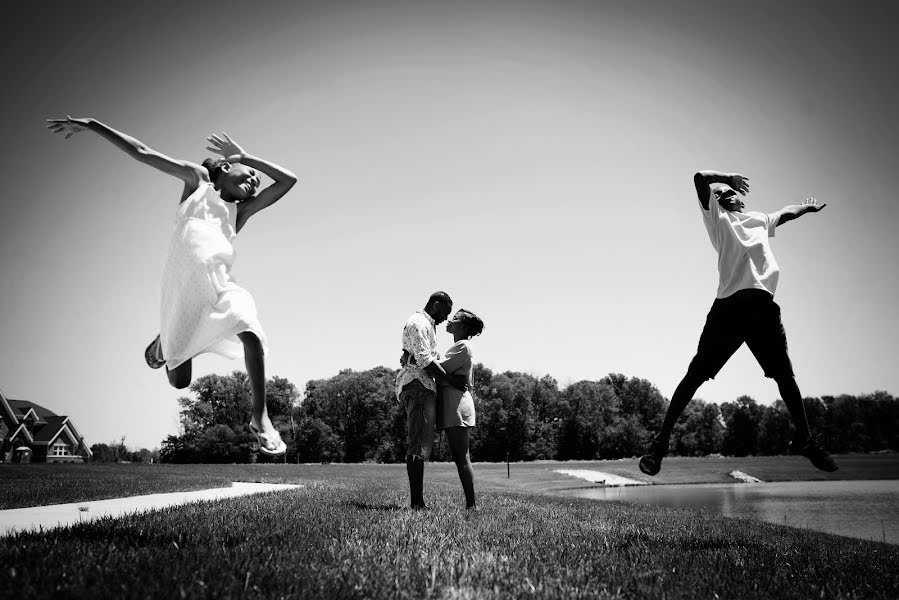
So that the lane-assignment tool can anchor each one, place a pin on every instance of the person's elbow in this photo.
(785, 217)
(288, 180)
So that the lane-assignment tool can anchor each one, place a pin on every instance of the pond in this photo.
(862, 509)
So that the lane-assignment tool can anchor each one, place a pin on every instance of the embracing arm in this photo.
(794, 211)
(283, 179)
(703, 179)
(419, 353)
(191, 174)
(436, 370)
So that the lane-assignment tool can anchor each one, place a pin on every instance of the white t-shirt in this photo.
(745, 259)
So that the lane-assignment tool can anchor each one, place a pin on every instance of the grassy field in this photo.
(347, 534)
(40, 484)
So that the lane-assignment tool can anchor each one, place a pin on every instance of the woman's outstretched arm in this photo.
(283, 179)
(190, 173)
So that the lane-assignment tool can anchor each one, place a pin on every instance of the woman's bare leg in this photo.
(255, 361)
(457, 438)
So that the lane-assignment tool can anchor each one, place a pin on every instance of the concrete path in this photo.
(608, 479)
(744, 477)
(61, 515)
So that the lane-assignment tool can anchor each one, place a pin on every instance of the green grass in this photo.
(541, 476)
(347, 534)
(40, 484)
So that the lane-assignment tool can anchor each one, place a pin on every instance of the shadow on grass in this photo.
(381, 507)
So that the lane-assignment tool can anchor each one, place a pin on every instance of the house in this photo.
(31, 433)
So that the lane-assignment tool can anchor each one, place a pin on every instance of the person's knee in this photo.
(249, 338)
(178, 379)
(787, 385)
(461, 462)
(694, 379)
(179, 384)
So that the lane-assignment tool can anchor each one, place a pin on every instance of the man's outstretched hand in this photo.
(811, 205)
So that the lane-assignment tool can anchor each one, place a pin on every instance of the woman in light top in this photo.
(203, 309)
(455, 408)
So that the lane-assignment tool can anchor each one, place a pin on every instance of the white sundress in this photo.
(203, 309)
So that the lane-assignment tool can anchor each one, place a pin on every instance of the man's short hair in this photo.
(440, 297)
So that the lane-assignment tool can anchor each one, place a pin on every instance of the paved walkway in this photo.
(61, 515)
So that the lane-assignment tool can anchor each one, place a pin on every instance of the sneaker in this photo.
(813, 449)
(153, 354)
(651, 463)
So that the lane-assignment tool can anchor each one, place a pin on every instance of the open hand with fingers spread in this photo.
(739, 183)
(68, 126)
(811, 205)
(227, 147)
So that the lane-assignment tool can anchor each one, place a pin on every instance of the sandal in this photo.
(153, 355)
(263, 438)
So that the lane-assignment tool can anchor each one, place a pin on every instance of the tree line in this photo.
(354, 416)
(116, 451)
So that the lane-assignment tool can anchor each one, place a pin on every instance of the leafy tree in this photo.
(216, 418)
(863, 423)
(103, 453)
(359, 408)
(480, 445)
(699, 430)
(517, 416)
(544, 420)
(774, 430)
(180, 449)
(222, 445)
(355, 417)
(741, 419)
(316, 442)
(589, 431)
(639, 398)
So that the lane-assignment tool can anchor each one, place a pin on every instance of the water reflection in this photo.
(861, 509)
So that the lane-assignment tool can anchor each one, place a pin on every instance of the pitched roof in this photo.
(49, 431)
(44, 431)
(21, 408)
(17, 430)
(6, 412)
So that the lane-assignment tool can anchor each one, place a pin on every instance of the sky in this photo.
(533, 159)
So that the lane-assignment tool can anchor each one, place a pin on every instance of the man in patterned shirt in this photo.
(416, 388)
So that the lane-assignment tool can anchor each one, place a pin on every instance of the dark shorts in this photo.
(750, 316)
(421, 414)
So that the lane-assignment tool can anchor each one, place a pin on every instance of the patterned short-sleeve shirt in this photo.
(420, 341)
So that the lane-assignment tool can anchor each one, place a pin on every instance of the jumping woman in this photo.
(203, 309)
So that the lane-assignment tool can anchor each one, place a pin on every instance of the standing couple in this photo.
(436, 392)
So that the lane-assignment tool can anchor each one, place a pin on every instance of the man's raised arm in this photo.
(703, 179)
